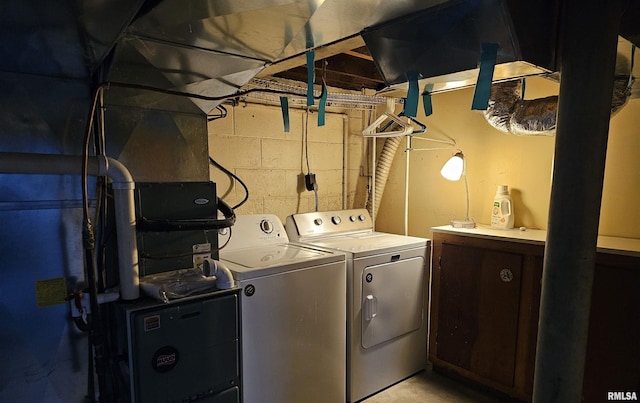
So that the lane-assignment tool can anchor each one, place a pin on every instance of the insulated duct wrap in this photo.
(509, 113)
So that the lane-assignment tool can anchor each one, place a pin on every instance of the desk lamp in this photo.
(453, 170)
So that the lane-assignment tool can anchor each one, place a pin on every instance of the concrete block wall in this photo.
(251, 142)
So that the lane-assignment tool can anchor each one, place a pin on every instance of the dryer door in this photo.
(392, 300)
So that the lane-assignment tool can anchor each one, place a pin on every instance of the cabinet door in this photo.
(478, 310)
(613, 348)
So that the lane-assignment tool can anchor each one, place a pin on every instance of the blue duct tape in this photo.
(323, 104)
(310, 67)
(485, 76)
(426, 100)
(411, 104)
(284, 105)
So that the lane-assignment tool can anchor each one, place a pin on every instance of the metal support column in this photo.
(589, 39)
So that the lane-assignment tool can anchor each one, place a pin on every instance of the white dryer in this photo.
(293, 314)
(387, 295)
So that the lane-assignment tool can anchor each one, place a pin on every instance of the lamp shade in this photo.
(453, 169)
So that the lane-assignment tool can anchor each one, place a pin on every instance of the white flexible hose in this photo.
(383, 167)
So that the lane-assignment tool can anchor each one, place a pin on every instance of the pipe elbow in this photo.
(224, 278)
(120, 176)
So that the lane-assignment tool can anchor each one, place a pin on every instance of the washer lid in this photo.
(276, 258)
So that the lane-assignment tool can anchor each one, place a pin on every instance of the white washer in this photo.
(293, 314)
(387, 294)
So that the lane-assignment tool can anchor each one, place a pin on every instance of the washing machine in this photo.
(293, 313)
(387, 294)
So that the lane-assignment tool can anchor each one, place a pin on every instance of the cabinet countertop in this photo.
(606, 244)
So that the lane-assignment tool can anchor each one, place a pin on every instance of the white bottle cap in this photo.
(502, 190)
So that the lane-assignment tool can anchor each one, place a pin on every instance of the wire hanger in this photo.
(422, 127)
(404, 123)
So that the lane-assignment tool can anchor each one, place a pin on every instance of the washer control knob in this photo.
(317, 221)
(353, 218)
(362, 217)
(266, 226)
(336, 219)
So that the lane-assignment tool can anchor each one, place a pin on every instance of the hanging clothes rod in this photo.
(449, 141)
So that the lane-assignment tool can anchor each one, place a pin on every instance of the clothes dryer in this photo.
(387, 295)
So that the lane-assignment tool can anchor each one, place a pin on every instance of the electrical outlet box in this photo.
(310, 181)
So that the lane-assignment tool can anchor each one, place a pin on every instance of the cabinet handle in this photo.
(370, 307)
(506, 275)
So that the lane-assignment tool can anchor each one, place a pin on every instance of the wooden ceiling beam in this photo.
(320, 53)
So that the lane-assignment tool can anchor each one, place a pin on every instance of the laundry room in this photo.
(257, 192)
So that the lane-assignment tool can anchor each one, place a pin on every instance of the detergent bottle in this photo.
(502, 211)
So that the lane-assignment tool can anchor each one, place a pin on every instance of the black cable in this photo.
(91, 387)
(305, 138)
(85, 157)
(96, 326)
(236, 178)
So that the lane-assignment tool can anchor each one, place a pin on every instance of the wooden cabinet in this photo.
(478, 310)
(612, 363)
(483, 319)
(484, 316)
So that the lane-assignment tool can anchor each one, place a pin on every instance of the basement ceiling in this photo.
(351, 69)
(212, 48)
(349, 64)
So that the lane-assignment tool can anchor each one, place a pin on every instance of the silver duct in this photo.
(123, 187)
(509, 113)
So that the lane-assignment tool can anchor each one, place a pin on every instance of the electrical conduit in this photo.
(123, 186)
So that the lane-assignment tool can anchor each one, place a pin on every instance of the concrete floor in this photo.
(431, 387)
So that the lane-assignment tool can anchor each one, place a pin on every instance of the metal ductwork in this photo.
(123, 185)
(442, 44)
(204, 47)
(213, 48)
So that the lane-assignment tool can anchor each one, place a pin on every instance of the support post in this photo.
(588, 44)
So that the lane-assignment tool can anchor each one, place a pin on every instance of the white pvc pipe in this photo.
(407, 154)
(224, 277)
(123, 186)
(345, 161)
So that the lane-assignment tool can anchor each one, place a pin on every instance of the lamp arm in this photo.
(466, 189)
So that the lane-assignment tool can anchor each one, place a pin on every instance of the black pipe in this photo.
(589, 41)
(96, 326)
